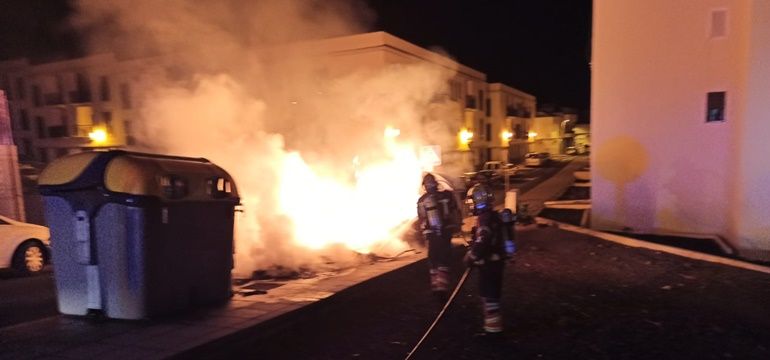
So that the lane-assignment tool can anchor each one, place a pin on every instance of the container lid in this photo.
(140, 174)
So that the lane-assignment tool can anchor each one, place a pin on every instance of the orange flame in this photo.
(363, 215)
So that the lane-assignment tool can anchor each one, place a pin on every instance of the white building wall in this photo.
(657, 164)
(753, 184)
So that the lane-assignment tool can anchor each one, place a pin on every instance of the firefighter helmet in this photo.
(482, 198)
(430, 183)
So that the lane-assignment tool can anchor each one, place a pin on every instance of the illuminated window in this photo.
(715, 106)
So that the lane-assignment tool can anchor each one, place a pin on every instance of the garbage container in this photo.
(138, 235)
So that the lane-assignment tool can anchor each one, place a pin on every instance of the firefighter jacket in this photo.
(438, 213)
(489, 237)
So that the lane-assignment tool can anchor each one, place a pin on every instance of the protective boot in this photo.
(493, 320)
(439, 281)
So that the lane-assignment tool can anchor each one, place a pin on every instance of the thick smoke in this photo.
(239, 82)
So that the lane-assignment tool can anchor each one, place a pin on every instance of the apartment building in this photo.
(510, 113)
(680, 119)
(68, 106)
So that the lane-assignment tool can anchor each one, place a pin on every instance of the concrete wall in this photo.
(657, 164)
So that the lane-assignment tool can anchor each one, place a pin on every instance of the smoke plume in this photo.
(323, 153)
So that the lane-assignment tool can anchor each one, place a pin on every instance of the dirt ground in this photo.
(567, 296)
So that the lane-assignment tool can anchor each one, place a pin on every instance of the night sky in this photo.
(538, 46)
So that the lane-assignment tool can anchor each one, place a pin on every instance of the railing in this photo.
(58, 131)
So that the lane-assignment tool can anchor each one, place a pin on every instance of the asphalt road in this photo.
(567, 296)
(25, 299)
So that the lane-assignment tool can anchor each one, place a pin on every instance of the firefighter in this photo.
(492, 243)
(439, 218)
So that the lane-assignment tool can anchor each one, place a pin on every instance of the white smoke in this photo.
(301, 134)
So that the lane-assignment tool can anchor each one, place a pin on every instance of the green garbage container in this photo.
(137, 235)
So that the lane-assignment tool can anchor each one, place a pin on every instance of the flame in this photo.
(362, 215)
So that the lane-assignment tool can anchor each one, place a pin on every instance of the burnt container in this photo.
(138, 235)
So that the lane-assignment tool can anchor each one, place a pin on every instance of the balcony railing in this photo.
(517, 112)
(58, 131)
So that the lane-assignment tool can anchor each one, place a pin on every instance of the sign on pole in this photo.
(430, 156)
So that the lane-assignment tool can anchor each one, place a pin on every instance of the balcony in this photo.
(53, 99)
(77, 97)
(517, 112)
(470, 102)
(58, 131)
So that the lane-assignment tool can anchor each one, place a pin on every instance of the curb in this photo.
(658, 247)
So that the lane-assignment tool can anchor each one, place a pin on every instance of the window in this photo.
(37, 96)
(104, 88)
(125, 95)
(27, 146)
(21, 91)
(24, 119)
(130, 139)
(107, 120)
(40, 127)
(489, 107)
(715, 106)
(488, 132)
(718, 23)
(43, 154)
(83, 92)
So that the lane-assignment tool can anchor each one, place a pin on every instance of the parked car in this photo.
(571, 150)
(24, 247)
(499, 168)
(536, 159)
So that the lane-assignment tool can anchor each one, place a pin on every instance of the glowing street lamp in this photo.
(506, 135)
(531, 135)
(98, 136)
(465, 136)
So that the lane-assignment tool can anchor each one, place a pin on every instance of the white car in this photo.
(23, 246)
(536, 159)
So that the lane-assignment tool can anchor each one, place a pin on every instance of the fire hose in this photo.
(440, 314)
(443, 310)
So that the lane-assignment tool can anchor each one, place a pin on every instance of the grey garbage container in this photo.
(138, 235)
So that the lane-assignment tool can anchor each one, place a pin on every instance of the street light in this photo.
(98, 136)
(506, 135)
